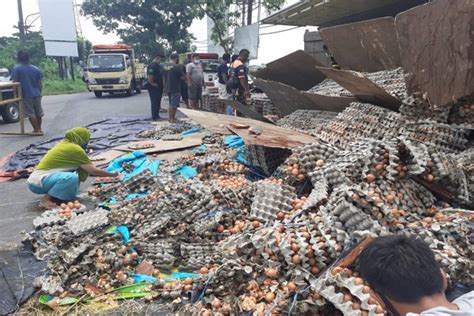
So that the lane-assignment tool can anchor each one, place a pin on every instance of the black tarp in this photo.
(18, 270)
(105, 135)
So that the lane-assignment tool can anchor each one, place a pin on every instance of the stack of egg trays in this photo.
(318, 195)
(144, 229)
(267, 158)
(48, 218)
(88, 220)
(162, 253)
(287, 252)
(196, 255)
(328, 291)
(270, 198)
(306, 156)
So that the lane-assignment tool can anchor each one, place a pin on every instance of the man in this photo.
(155, 86)
(173, 75)
(30, 78)
(184, 85)
(195, 80)
(223, 77)
(239, 70)
(404, 272)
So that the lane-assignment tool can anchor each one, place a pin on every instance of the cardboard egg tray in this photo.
(48, 218)
(271, 198)
(88, 220)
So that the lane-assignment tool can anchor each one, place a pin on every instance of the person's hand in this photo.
(114, 174)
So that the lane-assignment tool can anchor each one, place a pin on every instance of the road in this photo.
(18, 207)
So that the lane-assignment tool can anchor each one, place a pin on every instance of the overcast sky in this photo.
(271, 46)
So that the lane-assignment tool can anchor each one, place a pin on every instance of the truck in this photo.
(114, 69)
(9, 112)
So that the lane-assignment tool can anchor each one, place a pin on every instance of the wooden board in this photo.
(367, 46)
(437, 49)
(272, 135)
(286, 98)
(329, 103)
(245, 110)
(188, 141)
(108, 156)
(362, 87)
(296, 70)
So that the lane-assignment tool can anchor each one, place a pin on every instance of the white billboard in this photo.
(58, 26)
(247, 37)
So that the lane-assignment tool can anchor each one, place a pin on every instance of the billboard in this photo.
(59, 27)
(247, 37)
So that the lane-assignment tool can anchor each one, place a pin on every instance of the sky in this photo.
(271, 46)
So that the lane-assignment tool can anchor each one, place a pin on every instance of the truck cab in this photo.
(112, 68)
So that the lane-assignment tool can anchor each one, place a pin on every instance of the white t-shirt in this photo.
(464, 302)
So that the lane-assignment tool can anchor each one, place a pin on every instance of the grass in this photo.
(53, 87)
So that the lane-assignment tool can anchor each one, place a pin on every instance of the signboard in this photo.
(247, 37)
(58, 26)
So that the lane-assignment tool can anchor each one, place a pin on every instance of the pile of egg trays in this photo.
(329, 287)
(330, 88)
(392, 81)
(362, 120)
(462, 114)
(88, 220)
(167, 129)
(439, 136)
(162, 253)
(152, 227)
(202, 203)
(318, 194)
(267, 158)
(50, 284)
(232, 197)
(306, 120)
(415, 108)
(269, 199)
(195, 256)
(48, 218)
(139, 183)
(210, 102)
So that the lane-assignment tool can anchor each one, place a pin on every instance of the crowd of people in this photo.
(185, 81)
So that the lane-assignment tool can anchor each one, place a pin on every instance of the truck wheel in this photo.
(98, 94)
(138, 88)
(129, 92)
(10, 113)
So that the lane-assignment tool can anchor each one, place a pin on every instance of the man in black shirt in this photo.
(155, 86)
(239, 70)
(173, 75)
(223, 76)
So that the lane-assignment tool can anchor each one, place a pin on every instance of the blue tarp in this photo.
(139, 161)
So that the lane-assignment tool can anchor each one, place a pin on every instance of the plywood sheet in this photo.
(286, 98)
(296, 70)
(437, 49)
(362, 87)
(271, 136)
(164, 146)
(107, 156)
(329, 103)
(245, 110)
(367, 46)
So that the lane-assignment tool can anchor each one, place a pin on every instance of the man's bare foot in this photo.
(37, 133)
(47, 203)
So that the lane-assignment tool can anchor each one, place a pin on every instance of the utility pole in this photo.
(21, 25)
(249, 11)
(244, 2)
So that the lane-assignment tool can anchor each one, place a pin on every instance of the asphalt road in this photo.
(18, 206)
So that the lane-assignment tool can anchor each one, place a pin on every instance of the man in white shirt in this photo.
(404, 272)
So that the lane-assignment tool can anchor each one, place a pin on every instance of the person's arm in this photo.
(96, 172)
(40, 86)
(188, 75)
(151, 77)
(242, 75)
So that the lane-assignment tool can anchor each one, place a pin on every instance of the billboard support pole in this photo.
(21, 25)
(72, 69)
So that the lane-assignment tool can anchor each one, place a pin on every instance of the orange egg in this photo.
(269, 297)
(70, 205)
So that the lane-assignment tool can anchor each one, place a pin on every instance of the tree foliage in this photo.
(161, 26)
(152, 26)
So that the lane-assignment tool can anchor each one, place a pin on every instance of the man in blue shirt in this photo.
(30, 77)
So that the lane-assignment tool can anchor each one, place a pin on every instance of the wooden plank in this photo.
(8, 101)
(271, 136)
(164, 145)
(329, 103)
(107, 156)
(367, 46)
(437, 49)
(362, 87)
(296, 70)
(286, 98)
(245, 110)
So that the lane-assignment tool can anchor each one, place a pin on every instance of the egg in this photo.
(358, 281)
(292, 286)
(255, 224)
(63, 206)
(271, 273)
(356, 306)
(370, 178)
(269, 297)
(320, 163)
(204, 270)
(216, 303)
(296, 259)
(347, 297)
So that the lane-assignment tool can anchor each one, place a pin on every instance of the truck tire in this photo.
(98, 94)
(138, 88)
(129, 92)
(10, 113)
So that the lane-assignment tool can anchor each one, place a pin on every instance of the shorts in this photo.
(174, 99)
(223, 94)
(32, 107)
(60, 185)
(195, 92)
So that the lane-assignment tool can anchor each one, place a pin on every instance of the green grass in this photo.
(53, 87)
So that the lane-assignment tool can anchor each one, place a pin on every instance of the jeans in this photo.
(155, 100)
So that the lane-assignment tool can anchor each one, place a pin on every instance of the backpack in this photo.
(233, 83)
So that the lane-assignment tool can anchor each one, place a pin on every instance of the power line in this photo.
(281, 31)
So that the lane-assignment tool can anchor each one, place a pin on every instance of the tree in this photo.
(224, 19)
(151, 26)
